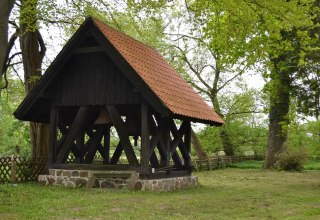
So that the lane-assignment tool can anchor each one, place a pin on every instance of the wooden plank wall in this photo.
(92, 79)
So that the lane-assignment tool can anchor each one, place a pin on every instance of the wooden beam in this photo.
(106, 146)
(93, 167)
(124, 137)
(145, 134)
(95, 141)
(154, 160)
(75, 150)
(74, 130)
(52, 153)
(187, 142)
(176, 158)
(104, 151)
(162, 153)
(116, 155)
(178, 140)
(153, 143)
(80, 144)
(81, 50)
(62, 125)
(165, 141)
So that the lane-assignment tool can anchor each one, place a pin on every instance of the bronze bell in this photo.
(103, 118)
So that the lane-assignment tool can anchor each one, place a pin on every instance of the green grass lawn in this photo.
(254, 164)
(222, 194)
(312, 165)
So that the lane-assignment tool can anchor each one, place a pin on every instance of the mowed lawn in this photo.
(223, 194)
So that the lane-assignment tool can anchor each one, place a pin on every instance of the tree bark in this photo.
(33, 50)
(198, 147)
(5, 10)
(228, 146)
(278, 113)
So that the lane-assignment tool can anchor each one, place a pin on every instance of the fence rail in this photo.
(220, 161)
(20, 169)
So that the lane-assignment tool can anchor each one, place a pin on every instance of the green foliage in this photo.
(248, 164)
(209, 139)
(28, 15)
(14, 134)
(244, 123)
(248, 139)
(312, 164)
(291, 160)
(305, 136)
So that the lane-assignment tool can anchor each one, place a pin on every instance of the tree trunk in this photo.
(33, 50)
(198, 147)
(5, 10)
(228, 146)
(278, 113)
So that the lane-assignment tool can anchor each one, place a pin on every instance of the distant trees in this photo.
(275, 34)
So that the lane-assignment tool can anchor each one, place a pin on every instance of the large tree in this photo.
(275, 36)
(33, 50)
(5, 45)
(203, 54)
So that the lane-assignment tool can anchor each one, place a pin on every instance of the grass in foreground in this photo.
(254, 164)
(222, 194)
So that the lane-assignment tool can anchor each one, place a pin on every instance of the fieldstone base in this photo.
(168, 184)
(114, 180)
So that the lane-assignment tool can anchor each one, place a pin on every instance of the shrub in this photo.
(291, 161)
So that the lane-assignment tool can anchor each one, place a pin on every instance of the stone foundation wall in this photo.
(114, 180)
(169, 184)
(68, 178)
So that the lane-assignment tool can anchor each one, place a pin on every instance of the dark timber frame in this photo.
(162, 141)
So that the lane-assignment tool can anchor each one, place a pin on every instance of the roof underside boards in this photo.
(160, 76)
(165, 84)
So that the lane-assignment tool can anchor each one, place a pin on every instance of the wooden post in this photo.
(13, 177)
(80, 144)
(74, 130)
(145, 134)
(123, 135)
(52, 153)
(166, 141)
(187, 143)
(106, 143)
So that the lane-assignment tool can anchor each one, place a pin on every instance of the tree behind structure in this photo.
(33, 50)
(5, 10)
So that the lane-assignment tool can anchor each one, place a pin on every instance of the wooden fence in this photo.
(220, 161)
(20, 169)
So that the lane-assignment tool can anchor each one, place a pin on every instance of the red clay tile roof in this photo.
(160, 76)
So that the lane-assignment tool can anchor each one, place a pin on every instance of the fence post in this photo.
(13, 170)
(209, 161)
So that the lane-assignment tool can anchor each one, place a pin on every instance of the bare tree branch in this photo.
(17, 74)
(111, 15)
(58, 21)
(42, 45)
(6, 64)
(198, 87)
(229, 80)
(197, 74)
